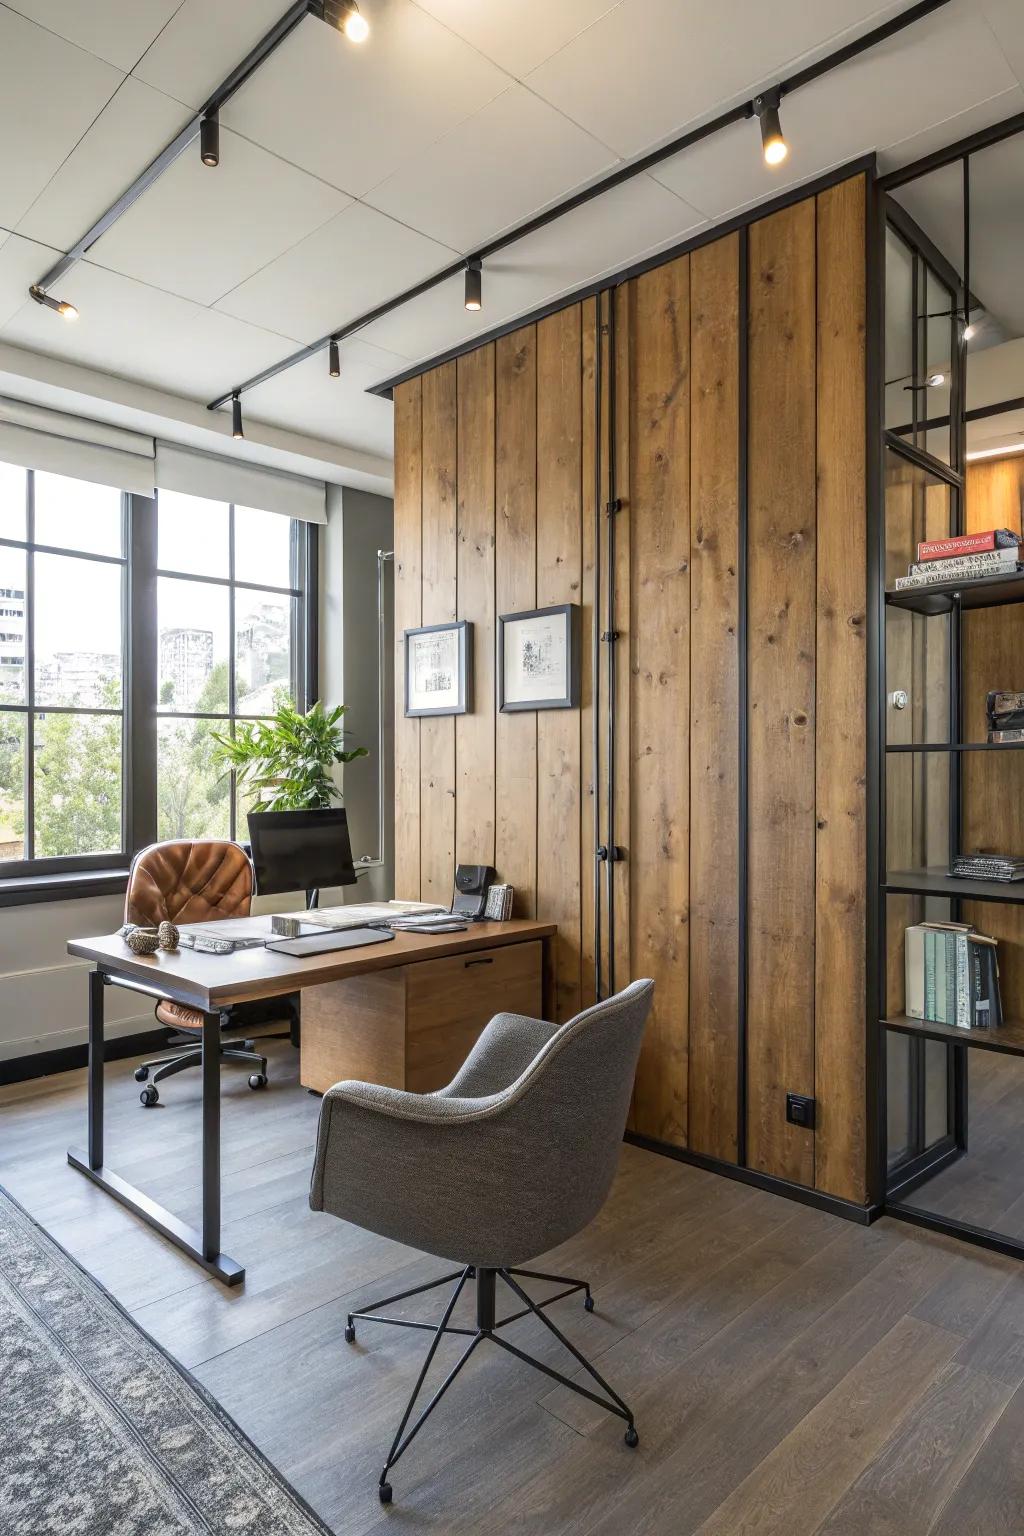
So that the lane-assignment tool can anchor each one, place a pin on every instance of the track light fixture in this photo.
(209, 140)
(60, 306)
(474, 285)
(347, 17)
(236, 417)
(766, 110)
(335, 360)
(931, 381)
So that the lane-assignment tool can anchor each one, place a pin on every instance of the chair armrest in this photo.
(501, 1054)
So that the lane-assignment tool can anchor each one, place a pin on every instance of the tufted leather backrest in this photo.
(188, 882)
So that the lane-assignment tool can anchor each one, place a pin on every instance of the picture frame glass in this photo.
(433, 663)
(536, 658)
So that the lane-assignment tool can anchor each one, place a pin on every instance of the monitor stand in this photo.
(312, 899)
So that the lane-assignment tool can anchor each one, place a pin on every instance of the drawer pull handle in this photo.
(487, 960)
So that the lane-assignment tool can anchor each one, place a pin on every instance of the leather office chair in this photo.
(189, 882)
(515, 1156)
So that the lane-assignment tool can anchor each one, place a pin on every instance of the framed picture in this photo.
(539, 659)
(438, 669)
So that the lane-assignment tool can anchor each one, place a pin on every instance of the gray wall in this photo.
(42, 990)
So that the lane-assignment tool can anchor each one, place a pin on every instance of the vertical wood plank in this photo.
(659, 653)
(781, 669)
(840, 1145)
(714, 699)
(516, 591)
(559, 580)
(437, 734)
(408, 611)
(474, 731)
(588, 616)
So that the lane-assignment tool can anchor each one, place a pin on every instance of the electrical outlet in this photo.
(800, 1110)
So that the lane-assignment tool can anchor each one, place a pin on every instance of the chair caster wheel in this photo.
(384, 1492)
(149, 1096)
(141, 1074)
(631, 1437)
(350, 1334)
(588, 1303)
(258, 1080)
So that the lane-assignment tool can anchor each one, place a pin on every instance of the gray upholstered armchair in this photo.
(512, 1158)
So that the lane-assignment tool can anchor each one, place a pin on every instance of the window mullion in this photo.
(30, 667)
(141, 701)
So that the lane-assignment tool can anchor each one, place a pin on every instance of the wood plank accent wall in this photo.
(502, 476)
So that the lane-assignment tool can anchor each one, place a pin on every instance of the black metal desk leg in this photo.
(97, 984)
(211, 1134)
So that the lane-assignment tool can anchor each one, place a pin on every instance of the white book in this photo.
(986, 562)
(904, 583)
(913, 944)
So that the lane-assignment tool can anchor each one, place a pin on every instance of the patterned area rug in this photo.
(101, 1433)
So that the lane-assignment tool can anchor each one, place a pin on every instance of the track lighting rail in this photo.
(624, 173)
(334, 12)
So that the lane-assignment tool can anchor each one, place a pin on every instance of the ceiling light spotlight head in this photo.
(935, 380)
(773, 144)
(334, 364)
(347, 17)
(59, 306)
(969, 331)
(236, 418)
(474, 285)
(209, 140)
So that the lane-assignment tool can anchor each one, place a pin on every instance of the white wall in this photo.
(43, 992)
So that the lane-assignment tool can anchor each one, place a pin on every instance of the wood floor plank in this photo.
(797, 1484)
(907, 1484)
(987, 1501)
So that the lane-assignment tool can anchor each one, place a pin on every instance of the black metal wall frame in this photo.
(740, 113)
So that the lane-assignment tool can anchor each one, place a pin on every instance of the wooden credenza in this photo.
(414, 1025)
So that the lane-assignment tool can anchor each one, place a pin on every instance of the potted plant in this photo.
(287, 762)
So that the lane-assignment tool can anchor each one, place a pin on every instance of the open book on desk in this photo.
(363, 913)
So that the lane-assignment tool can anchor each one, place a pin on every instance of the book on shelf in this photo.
(939, 574)
(987, 866)
(952, 976)
(967, 544)
(995, 563)
(1003, 738)
(1005, 713)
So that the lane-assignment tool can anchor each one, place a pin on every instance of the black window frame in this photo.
(75, 875)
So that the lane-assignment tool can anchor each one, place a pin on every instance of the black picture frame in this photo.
(570, 699)
(464, 632)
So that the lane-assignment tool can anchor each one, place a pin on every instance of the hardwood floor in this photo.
(790, 1372)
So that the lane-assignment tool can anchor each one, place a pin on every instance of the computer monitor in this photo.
(300, 851)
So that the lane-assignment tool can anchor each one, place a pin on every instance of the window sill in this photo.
(24, 890)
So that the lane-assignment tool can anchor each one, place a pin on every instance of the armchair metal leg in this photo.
(400, 1445)
(488, 1328)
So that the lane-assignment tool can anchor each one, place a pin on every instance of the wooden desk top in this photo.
(214, 981)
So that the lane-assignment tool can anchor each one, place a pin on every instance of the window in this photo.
(179, 615)
(229, 601)
(62, 664)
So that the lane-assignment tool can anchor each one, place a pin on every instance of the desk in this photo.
(212, 983)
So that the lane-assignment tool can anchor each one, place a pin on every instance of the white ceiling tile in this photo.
(596, 239)
(130, 131)
(203, 42)
(139, 333)
(119, 31)
(201, 231)
(649, 67)
(518, 37)
(354, 113)
(307, 400)
(492, 171)
(349, 266)
(1006, 18)
(947, 63)
(51, 93)
(951, 129)
(21, 263)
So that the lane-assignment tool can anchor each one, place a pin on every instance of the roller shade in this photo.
(247, 485)
(37, 438)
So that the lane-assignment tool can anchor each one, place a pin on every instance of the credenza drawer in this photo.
(449, 1001)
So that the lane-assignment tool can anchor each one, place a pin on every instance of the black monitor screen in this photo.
(300, 850)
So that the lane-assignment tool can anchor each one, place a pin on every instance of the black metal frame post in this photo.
(203, 1246)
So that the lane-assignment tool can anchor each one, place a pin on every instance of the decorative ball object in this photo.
(141, 942)
(167, 935)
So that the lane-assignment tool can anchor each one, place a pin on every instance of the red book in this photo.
(967, 544)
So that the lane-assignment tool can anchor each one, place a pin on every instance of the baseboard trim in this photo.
(863, 1215)
(22, 1069)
